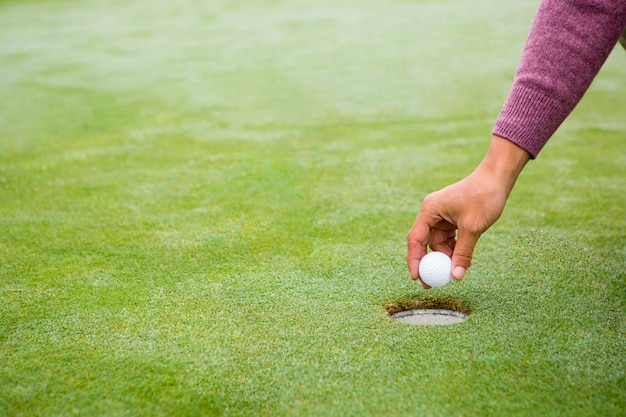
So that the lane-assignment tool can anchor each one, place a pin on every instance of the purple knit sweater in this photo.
(568, 43)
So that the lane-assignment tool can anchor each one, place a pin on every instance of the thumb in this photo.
(462, 254)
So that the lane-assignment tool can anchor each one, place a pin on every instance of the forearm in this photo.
(568, 43)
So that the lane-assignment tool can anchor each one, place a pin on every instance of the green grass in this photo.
(204, 207)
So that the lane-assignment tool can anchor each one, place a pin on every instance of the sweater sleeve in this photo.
(568, 42)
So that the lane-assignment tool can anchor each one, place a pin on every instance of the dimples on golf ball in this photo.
(435, 269)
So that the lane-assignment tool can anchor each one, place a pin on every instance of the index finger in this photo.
(417, 243)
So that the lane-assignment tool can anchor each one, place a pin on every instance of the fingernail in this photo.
(458, 272)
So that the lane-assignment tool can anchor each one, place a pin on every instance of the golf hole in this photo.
(430, 317)
(433, 311)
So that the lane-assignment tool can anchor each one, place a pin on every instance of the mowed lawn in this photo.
(204, 204)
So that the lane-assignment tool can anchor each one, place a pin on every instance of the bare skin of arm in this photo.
(452, 219)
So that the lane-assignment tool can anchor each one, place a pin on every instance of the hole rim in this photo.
(431, 317)
(451, 306)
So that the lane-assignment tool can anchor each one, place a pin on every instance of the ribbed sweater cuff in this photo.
(529, 118)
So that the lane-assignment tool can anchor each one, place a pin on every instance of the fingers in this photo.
(463, 251)
(440, 238)
(429, 229)
(417, 242)
(443, 240)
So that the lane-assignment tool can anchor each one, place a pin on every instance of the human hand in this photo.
(469, 206)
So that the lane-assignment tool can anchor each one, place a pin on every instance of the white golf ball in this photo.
(435, 269)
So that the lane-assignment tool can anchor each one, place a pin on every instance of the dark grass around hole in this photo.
(426, 303)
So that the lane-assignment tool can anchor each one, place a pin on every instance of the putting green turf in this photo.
(204, 207)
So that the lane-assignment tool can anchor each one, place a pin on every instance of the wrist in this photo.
(504, 162)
